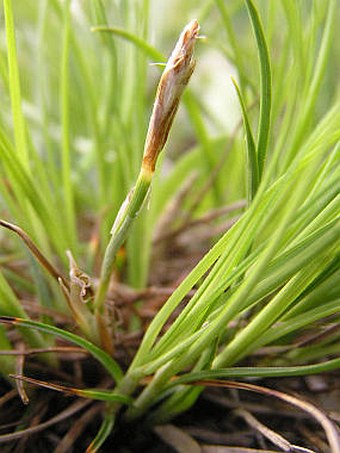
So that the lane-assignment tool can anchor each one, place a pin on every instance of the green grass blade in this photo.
(65, 114)
(293, 259)
(266, 88)
(10, 306)
(296, 323)
(259, 372)
(237, 51)
(253, 173)
(103, 433)
(7, 364)
(104, 395)
(100, 16)
(27, 188)
(208, 152)
(270, 313)
(19, 124)
(140, 43)
(174, 300)
(93, 394)
(108, 363)
(318, 75)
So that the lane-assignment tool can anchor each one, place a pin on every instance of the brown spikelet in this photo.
(175, 77)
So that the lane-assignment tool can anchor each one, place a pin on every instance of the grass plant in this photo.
(76, 169)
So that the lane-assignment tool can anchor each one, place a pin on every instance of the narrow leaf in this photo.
(266, 88)
(65, 117)
(259, 372)
(103, 433)
(34, 249)
(93, 394)
(14, 86)
(109, 364)
(146, 48)
(253, 173)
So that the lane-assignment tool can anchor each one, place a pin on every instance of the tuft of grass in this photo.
(77, 157)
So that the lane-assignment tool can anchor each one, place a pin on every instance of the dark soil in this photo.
(213, 421)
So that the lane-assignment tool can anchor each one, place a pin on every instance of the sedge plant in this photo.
(270, 277)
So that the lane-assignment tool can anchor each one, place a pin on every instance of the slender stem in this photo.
(103, 433)
(152, 391)
(128, 211)
(175, 77)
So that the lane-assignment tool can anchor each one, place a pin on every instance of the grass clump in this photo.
(72, 148)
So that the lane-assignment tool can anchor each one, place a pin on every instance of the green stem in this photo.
(152, 391)
(128, 211)
(103, 433)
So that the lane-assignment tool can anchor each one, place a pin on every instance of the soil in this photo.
(214, 420)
